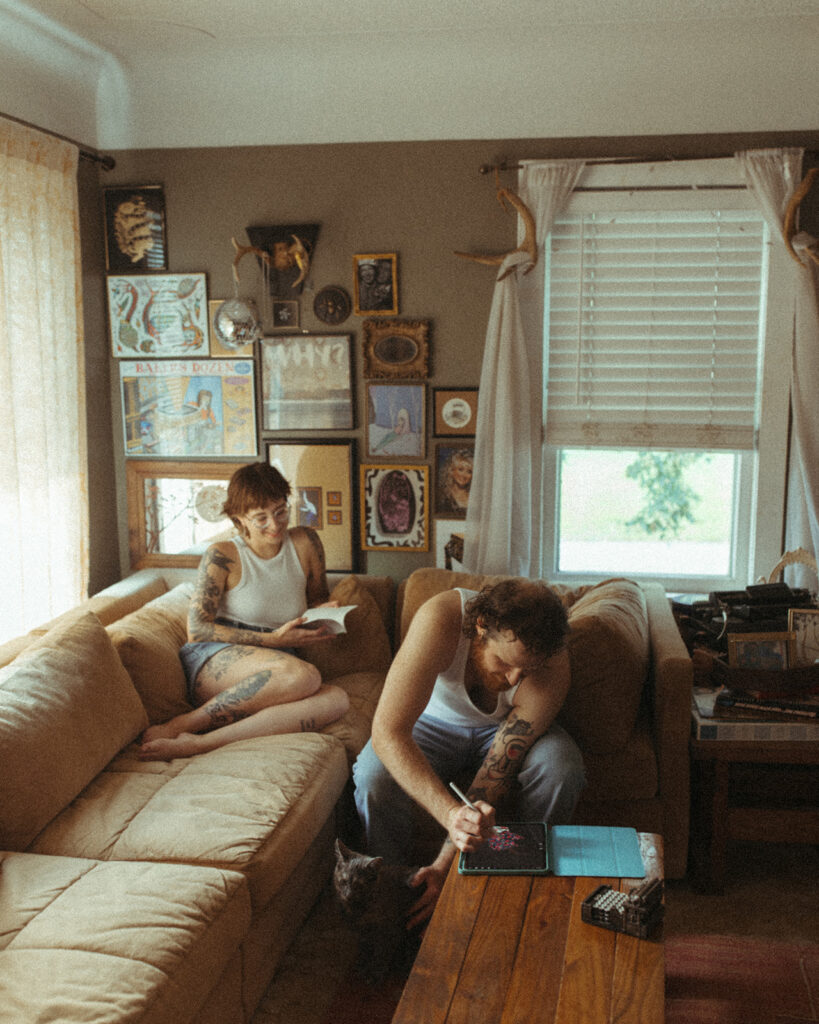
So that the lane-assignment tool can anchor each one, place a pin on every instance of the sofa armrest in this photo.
(671, 679)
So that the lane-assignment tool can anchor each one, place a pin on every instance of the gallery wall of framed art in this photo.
(334, 390)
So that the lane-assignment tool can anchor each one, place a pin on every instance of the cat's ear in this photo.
(342, 851)
(375, 864)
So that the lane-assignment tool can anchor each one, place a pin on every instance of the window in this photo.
(664, 424)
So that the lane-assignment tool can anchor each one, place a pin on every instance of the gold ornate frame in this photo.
(396, 349)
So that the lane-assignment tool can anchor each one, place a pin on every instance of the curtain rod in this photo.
(108, 163)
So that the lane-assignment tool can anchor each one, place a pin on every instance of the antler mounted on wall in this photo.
(789, 226)
(529, 243)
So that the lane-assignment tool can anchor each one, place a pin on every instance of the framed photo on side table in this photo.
(307, 382)
(394, 508)
(804, 624)
(321, 476)
(772, 651)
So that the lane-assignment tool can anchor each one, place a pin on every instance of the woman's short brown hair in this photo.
(527, 608)
(254, 486)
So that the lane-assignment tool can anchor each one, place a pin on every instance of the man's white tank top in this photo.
(450, 702)
(272, 591)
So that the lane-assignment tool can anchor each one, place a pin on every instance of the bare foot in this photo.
(166, 748)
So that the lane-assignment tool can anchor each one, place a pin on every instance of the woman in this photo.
(244, 620)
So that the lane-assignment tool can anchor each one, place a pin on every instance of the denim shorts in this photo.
(193, 657)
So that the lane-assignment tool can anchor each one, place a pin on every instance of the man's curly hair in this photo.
(528, 608)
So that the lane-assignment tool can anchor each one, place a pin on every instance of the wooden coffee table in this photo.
(514, 950)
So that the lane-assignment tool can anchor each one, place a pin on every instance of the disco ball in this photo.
(236, 324)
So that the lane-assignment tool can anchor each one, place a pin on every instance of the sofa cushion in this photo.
(609, 653)
(365, 647)
(82, 940)
(253, 806)
(67, 706)
(353, 728)
(423, 584)
(148, 642)
(626, 774)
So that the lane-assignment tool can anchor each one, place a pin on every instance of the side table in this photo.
(752, 790)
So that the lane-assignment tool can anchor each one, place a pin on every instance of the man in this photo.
(474, 689)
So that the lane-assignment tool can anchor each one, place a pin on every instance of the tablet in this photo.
(516, 848)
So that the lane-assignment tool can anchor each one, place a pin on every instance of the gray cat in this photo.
(375, 898)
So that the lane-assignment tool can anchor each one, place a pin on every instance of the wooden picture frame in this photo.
(396, 420)
(804, 624)
(217, 349)
(396, 349)
(286, 314)
(135, 232)
(178, 408)
(174, 510)
(455, 412)
(453, 478)
(375, 284)
(307, 382)
(320, 474)
(394, 508)
(158, 315)
(771, 651)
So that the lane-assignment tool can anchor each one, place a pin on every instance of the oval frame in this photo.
(377, 332)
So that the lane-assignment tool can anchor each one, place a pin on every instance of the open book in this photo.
(332, 618)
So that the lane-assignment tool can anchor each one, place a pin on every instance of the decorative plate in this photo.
(209, 501)
(332, 305)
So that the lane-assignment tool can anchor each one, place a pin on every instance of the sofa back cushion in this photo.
(67, 706)
(365, 647)
(148, 642)
(608, 648)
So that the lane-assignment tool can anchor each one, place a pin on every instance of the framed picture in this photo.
(135, 236)
(375, 283)
(307, 382)
(188, 408)
(453, 478)
(285, 313)
(804, 624)
(396, 422)
(175, 510)
(771, 651)
(455, 411)
(449, 544)
(321, 475)
(217, 349)
(395, 508)
(158, 315)
(397, 349)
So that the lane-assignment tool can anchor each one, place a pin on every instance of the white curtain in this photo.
(503, 517)
(772, 176)
(43, 474)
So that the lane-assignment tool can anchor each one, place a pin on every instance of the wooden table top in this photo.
(514, 950)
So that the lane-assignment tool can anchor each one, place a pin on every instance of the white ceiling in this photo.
(161, 73)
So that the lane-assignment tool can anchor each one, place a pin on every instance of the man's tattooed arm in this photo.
(503, 760)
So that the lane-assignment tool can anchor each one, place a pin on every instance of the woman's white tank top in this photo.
(272, 591)
(450, 702)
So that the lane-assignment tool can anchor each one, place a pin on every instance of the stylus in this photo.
(471, 806)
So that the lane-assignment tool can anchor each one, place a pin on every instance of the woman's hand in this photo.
(294, 634)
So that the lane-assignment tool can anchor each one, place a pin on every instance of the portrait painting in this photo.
(135, 237)
(375, 283)
(395, 508)
(395, 420)
(453, 478)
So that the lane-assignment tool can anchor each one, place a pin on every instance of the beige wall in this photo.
(420, 200)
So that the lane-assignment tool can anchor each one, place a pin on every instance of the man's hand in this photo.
(469, 826)
(432, 878)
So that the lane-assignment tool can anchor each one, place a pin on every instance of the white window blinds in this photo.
(653, 325)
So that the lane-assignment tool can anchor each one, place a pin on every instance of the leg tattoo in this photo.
(224, 708)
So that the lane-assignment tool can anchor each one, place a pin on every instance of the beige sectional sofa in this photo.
(152, 892)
